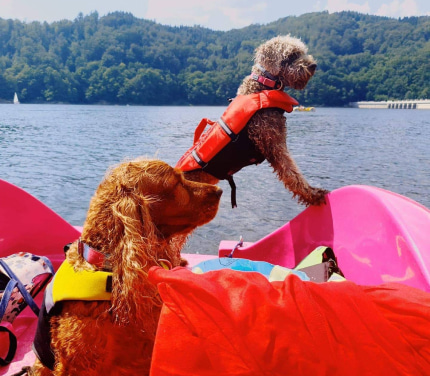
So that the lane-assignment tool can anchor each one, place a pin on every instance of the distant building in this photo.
(413, 104)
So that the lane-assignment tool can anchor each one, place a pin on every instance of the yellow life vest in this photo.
(67, 284)
(83, 285)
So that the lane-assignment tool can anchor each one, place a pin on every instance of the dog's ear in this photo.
(134, 252)
(268, 57)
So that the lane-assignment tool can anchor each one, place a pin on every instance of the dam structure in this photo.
(412, 104)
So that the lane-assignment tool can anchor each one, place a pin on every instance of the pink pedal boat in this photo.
(378, 236)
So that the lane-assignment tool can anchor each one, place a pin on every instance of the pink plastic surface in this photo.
(28, 225)
(378, 236)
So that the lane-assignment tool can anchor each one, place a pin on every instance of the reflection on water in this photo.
(59, 153)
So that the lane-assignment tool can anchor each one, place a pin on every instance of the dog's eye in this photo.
(291, 59)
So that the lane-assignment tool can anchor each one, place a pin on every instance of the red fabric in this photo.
(227, 322)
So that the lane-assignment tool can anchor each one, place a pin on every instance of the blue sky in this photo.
(216, 15)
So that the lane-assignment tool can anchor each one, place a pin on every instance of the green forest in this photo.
(121, 59)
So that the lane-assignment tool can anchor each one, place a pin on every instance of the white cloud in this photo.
(194, 12)
(317, 7)
(398, 8)
(243, 16)
(342, 5)
(214, 14)
(168, 11)
(218, 15)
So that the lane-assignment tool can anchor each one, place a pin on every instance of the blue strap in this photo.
(48, 263)
(25, 294)
(12, 347)
(4, 302)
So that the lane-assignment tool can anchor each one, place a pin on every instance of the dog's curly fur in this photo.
(285, 58)
(141, 213)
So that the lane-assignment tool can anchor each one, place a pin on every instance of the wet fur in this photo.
(142, 212)
(286, 58)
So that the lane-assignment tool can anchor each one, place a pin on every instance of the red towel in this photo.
(227, 322)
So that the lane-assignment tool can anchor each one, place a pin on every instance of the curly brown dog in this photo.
(280, 62)
(139, 217)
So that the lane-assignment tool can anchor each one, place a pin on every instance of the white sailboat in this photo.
(15, 99)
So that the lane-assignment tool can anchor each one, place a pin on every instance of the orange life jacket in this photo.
(225, 147)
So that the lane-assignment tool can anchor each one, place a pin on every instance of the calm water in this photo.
(59, 154)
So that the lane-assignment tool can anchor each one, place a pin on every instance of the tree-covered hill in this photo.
(122, 59)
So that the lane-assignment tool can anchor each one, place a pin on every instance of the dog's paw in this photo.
(315, 196)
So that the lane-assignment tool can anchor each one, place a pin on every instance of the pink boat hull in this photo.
(378, 236)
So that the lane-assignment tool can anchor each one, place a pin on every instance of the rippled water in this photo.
(59, 154)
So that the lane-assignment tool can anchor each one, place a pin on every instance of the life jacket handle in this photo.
(201, 127)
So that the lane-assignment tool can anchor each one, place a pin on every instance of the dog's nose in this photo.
(218, 192)
(312, 68)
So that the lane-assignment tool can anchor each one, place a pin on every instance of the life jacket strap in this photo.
(7, 327)
(94, 257)
(233, 191)
(199, 161)
(227, 129)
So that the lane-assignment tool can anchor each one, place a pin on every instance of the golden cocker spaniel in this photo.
(139, 217)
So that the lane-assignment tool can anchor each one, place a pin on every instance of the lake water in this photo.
(60, 153)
